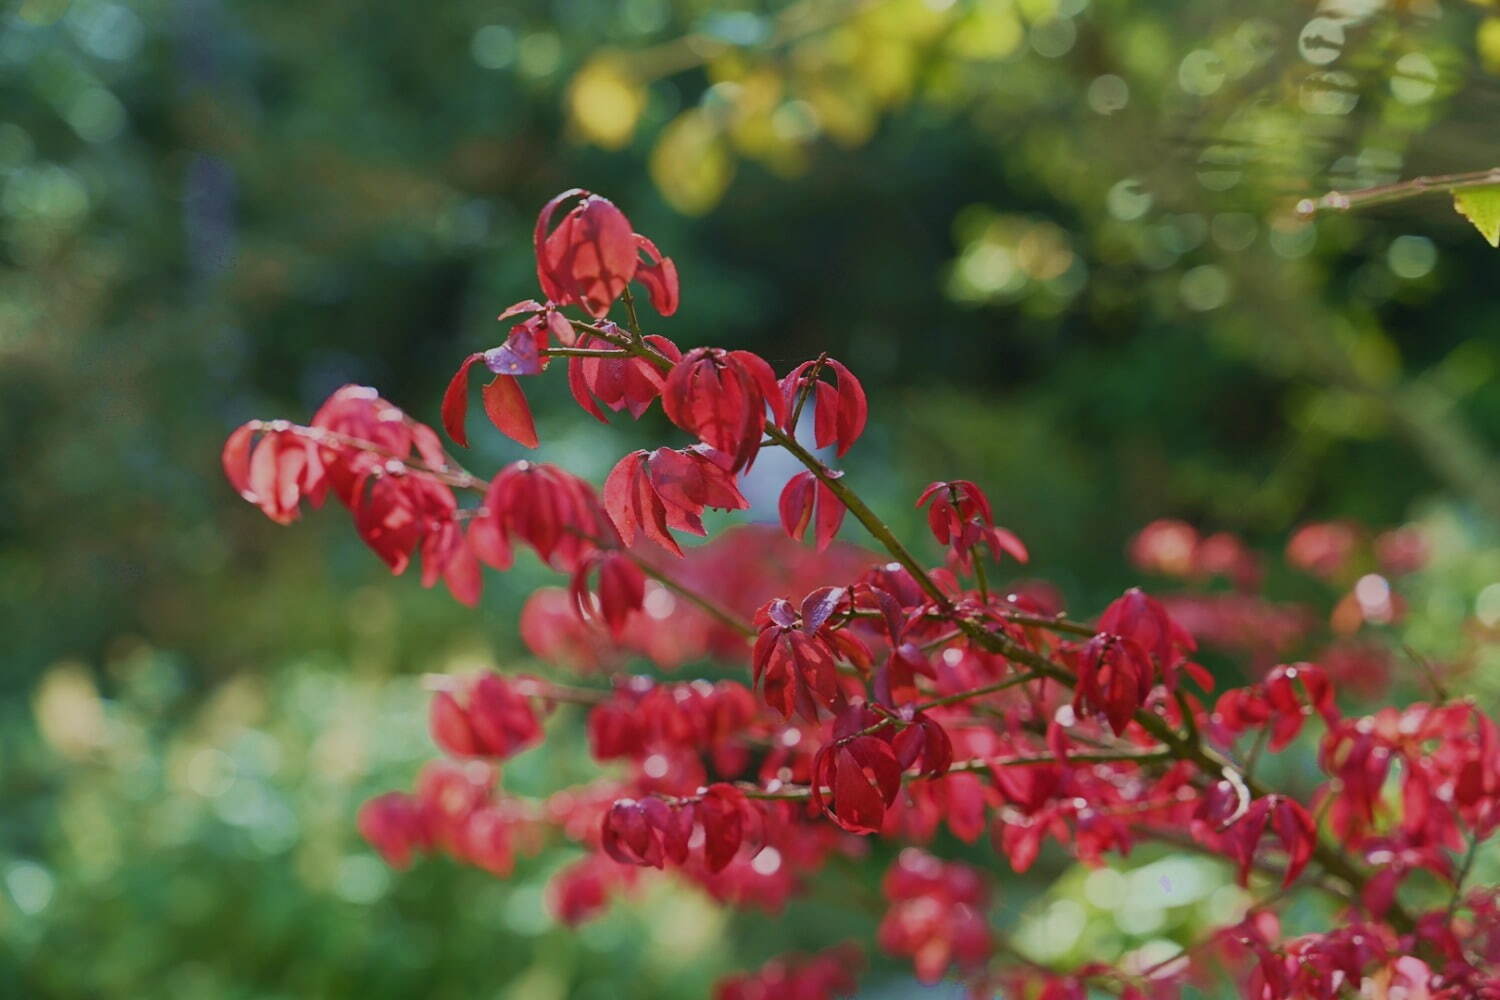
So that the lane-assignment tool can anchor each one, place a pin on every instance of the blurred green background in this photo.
(1053, 237)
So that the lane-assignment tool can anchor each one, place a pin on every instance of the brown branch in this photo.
(1345, 201)
(1189, 748)
(798, 792)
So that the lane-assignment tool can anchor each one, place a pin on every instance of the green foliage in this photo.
(1052, 238)
(1481, 206)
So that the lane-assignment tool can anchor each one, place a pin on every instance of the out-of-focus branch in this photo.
(1345, 201)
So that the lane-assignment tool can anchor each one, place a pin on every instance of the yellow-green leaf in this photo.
(1481, 206)
(605, 102)
(691, 163)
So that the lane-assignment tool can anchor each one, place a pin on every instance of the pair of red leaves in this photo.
(1118, 667)
(393, 824)
(552, 510)
(823, 976)
(794, 659)
(862, 770)
(840, 410)
(1145, 621)
(721, 397)
(621, 590)
(1115, 677)
(275, 473)
(620, 383)
(937, 914)
(652, 831)
(594, 253)
(452, 808)
(504, 403)
(960, 516)
(1292, 826)
(1276, 702)
(483, 717)
(648, 493)
(802, 497)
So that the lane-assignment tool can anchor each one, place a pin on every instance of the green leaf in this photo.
(1481, 206)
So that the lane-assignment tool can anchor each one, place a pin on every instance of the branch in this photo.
(798, 792)
(722, 614)
(1188, 748)
(1345, 201)
(453, 475)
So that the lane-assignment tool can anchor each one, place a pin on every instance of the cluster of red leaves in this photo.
(937, 914)
(1175, 548)
(1361, 568)
(389, 470)
(824, 976)
(960, 517)
(676, 726)
(654, 830)
(453, 809)
(1280, 704)
(890, 699)
(863, 763)
(586, 261)
(650, 492)
(1362, 956)
(483, 717)
(1138, 645)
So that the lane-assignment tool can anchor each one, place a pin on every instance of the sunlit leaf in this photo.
(690, 163)
(605, 102)
(1481, 206)
(1487, 41)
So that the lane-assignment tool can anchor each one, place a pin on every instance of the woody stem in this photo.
(1187, 748)
(723, 615)
(1344, 201)
(984, 764)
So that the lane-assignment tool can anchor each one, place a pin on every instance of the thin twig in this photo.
(1188, 747)
(798, 792)
(1344, 201)
(716, 611)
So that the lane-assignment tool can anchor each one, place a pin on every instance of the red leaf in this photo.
(590, 257)
(796, 504)
(619, 492)
(1298, 834)
(501, 720)
(659, 276)
(236, 459)
(449, 725)
(857, 806)
(825, 414)
(456, 401)
(859, 803)
(721, 811)
(578, 386)
(488, 539)
(819, 606)
(927, 742)
(622, 590)
(853, 408)
(505, 405)
(830, 516)
(462, 574)
(544, 276)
